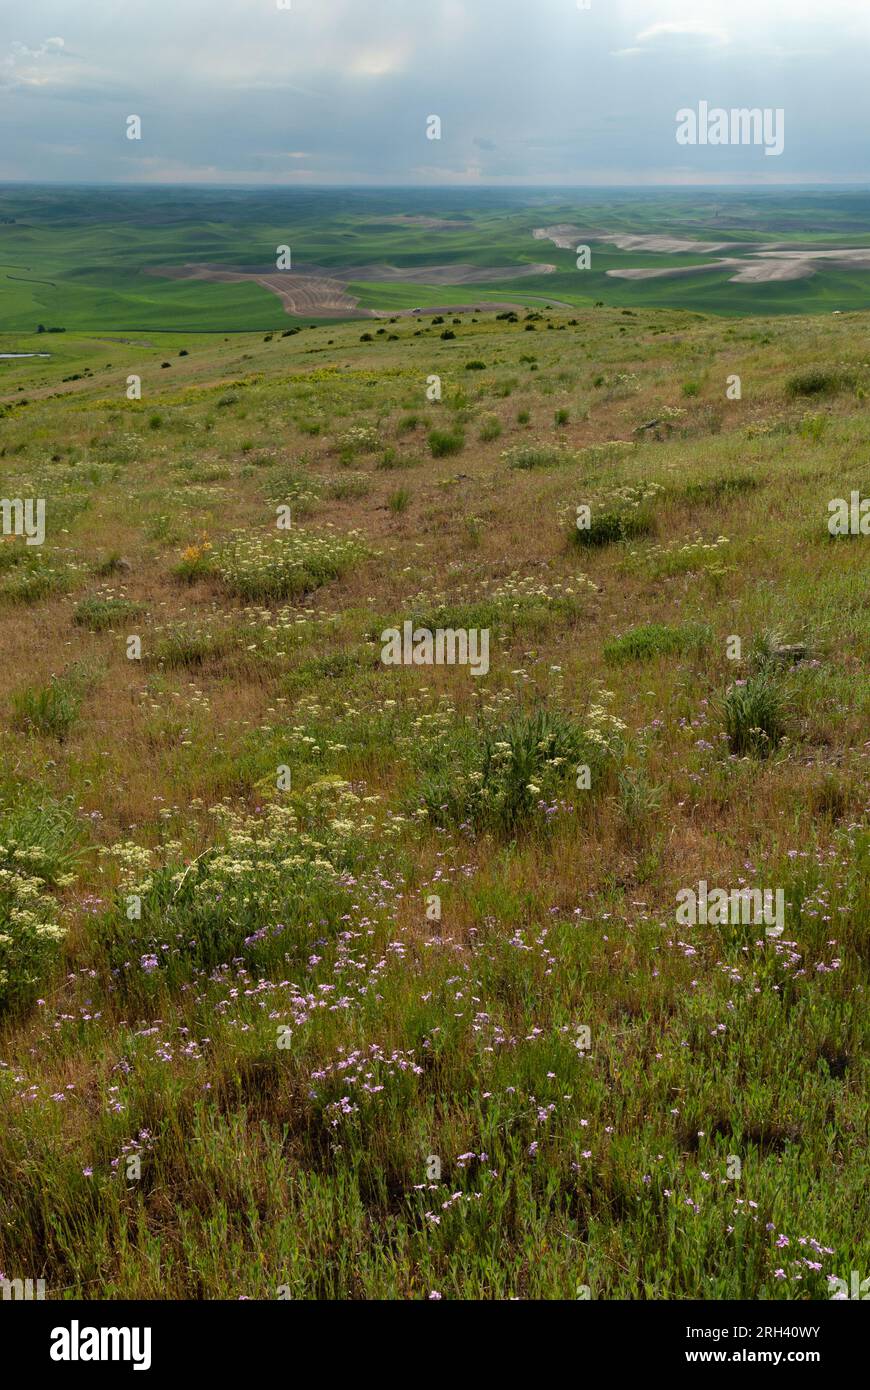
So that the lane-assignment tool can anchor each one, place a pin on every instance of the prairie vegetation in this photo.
(324, 974)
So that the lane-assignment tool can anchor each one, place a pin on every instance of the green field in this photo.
(79, 259)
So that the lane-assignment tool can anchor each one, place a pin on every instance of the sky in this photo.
(528, 92)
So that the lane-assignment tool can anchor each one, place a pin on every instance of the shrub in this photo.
(754, 715)
(820, 381)
(281, 566)
(623, 515)
(637, 798)
(812, 427)
(359, 439)
(444, 442)
(504, 778)
(196, 562)
(399, 500)
(37, 848)
(31, 577)
(253, 894)
(47, 709)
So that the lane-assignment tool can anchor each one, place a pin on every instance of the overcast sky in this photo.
(339, 91)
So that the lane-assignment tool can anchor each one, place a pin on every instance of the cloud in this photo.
(379, 62)
(240, 91)
(20, 50)
(683, 29)
(20, 65)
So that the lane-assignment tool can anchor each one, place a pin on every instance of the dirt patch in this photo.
(301, 293)
(669, 272)
(799, 265)
(566, 236)
(762, 267)
(312, 291)
(761, 264)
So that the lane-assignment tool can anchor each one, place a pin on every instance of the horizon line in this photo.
(851, 186)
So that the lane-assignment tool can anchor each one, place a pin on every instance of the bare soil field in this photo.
(312, 291)
(761, 264)
(300, 293)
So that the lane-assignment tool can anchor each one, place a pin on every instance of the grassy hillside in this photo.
(328, 976)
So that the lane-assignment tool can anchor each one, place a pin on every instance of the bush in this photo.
(504, 778)
(820, 381)
(37, 849)
(399, 500)
(754, 715)
(606, 527)
(33, 580)
(623, 515)
(253, 894)
(281, 566)
(444, 442)
(47, 709)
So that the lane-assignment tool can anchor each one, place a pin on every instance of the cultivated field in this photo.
(355, 980)
(133, 261)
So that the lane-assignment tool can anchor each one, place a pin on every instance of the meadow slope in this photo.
(336, 978)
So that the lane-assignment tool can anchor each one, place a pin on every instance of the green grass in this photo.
(755, 715)
(654, 640)
(100, 614)
(70, 264)
(366, 981)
